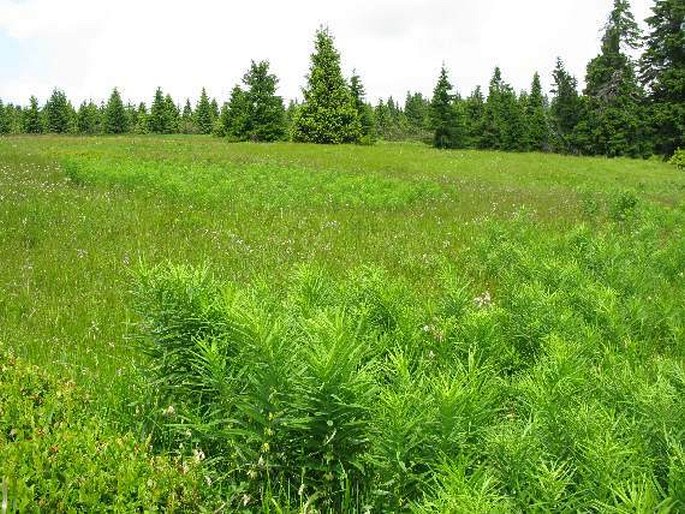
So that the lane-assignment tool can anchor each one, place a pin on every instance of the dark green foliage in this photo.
(59, 454)
(4, 118)
(157, 117)
(364, 110)
(662, 70)
(417, 112)
(187, 123)
(142, 118)
(265, 112)
(446, 115)
(88, 119)
(474, 113)
(503, 120)
(328, 114)
(391, 123)
(33, 123)
(565, 108)
(233, 117)
(57, 113)
(115, 117)
(536, 120)
(204, 117)
(612, 116)
(164, 114)
(172, 116)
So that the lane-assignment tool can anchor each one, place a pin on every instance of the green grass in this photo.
(485, 331)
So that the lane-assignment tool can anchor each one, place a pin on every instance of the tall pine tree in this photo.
(4, 119)
(57, 113)
(265, 116)
(446, 116)
(612, 120)
(537, 131)
(662, 71)
(203, 114)
(32, 117)
(115, 116)
(474, 111)
(328, 114)
(88, 119)
(564, 109)
(364, 110)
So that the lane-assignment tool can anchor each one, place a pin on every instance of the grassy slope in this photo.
(78, 214)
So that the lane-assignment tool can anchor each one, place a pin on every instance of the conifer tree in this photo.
(265, 112)
(214, 110)
(612, 121)
(446, 120)
(32, 118)
(391, 123)
(417, 114)
(142, 125)
(4, 119)
(503, 121)
(157, 118)
(565, 108)
(88, 118)
(57, 113)
(662, 71)
(115, 117)
(14, 119)
(188, 125)
(364, 110)
(172, 115)
(234, 116)
(537, 132)
(328, 114)
(474, 112)
(203, 114)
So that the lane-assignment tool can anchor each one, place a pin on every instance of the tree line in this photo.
(629, 107)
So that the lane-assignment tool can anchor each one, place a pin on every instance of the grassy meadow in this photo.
(192, 325)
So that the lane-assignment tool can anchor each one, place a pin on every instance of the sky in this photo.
(88, 47)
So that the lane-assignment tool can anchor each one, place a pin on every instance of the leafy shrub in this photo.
(678, 159)
(57, 455)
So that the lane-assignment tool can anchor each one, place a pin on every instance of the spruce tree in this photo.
(417, 114)
(328, 114)
(115, 117)
(188, 125)
(4, 119)
(446, 118)
(503, 119)
(203, 114)
(57, 113)
(172, 116)
(364, 110)
(565, 108)
(474, 111)
(537, 132)
(157, 118)
(142, 125)
(234, 120)
(662, 71)
(32, 117)
(265, 112)
(88, 119)
(612, 121)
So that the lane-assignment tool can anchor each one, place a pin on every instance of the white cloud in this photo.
(87, 46)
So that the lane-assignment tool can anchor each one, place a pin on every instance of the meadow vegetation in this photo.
(191, 325)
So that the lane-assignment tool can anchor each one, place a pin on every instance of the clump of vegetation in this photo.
(678, 159)
(58, 455)
(561, 388)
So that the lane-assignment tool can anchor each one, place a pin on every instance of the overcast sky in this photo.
(87, 47)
